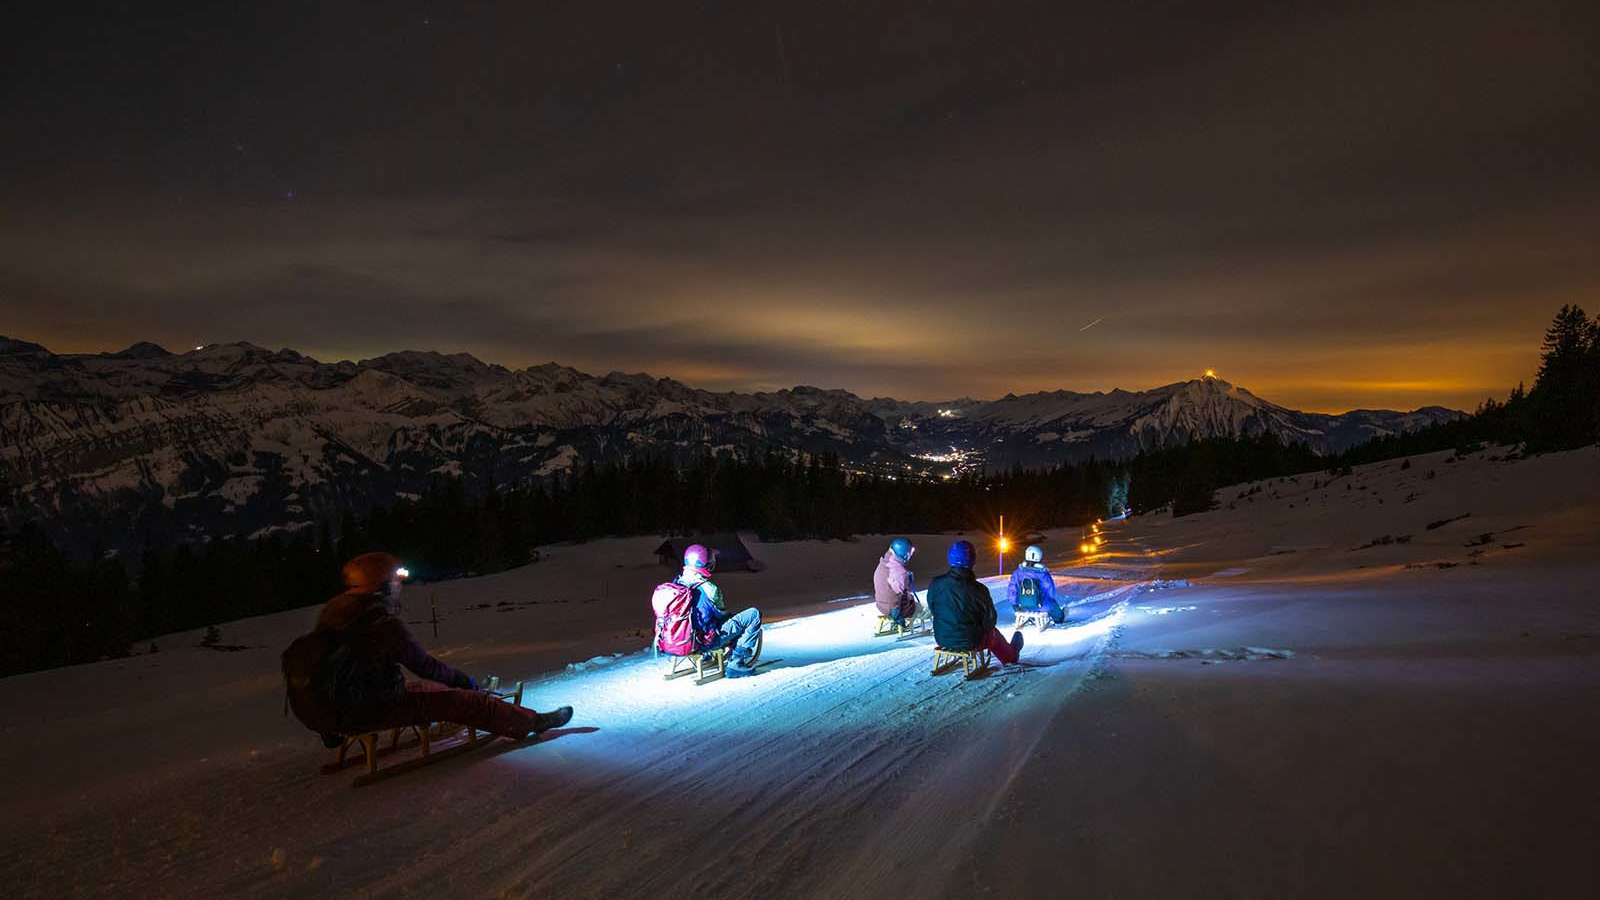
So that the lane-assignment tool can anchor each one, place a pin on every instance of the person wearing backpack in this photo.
(345, 676)
(894, 588)
(963, 612)
(1033, 587)
(708, 625)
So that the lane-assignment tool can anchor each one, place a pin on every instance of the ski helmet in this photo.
(369, 572)
(901, 548)
(1033, 554)
(699, 560)
(961, 554)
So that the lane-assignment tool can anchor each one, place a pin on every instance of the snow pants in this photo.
(427, 702)
(999, 646)
(1058, 614)
(741, 630)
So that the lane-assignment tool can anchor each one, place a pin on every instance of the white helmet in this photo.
(1033, 554)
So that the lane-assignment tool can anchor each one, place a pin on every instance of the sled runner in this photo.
(972, 661)
(707, 665)
(888, 627)
(426, 735)
(703, 666)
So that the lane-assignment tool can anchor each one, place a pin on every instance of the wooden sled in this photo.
(706, 665)
(971, 661)
(425, 734)
(1038, 618)
(888, 627)
(703, 666)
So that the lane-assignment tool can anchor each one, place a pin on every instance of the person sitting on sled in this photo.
(963, 612)
(371, 645)
(741, 631)
(894, 589)
(1032, 586)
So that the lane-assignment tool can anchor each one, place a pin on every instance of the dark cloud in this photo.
(1334, 204)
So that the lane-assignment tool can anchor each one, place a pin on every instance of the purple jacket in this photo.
(1045, 582)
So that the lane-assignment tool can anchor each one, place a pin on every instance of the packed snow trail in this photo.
(847, 750)
(832, 754)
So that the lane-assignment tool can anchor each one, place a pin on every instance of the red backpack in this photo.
(674, 605)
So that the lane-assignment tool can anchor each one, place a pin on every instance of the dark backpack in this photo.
(1028, 593)
(310, 674)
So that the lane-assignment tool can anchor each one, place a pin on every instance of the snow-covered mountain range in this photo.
(237, 439)
(1051, 427)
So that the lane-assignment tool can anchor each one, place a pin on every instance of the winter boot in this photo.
(1016, 642)
(553, 719)
(733, 671)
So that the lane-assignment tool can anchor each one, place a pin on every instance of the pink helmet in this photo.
(699, 560)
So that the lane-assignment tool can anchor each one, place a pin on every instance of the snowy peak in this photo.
(141, 350)
(455, 373)
(14, 347)
(1052, 427)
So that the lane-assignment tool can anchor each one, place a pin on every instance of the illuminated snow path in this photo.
(745, 787)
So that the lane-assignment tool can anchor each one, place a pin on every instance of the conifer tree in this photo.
(1564, 405)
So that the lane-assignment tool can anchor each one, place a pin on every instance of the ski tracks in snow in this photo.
(864, 760)
(846, 769)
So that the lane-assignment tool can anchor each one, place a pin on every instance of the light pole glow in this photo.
(1003, 545)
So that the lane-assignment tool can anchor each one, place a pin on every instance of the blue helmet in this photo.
(901, 548)
(961, 554)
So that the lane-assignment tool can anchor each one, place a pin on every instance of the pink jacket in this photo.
(893, 585)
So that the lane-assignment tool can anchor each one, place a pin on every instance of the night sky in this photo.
(1335, 205)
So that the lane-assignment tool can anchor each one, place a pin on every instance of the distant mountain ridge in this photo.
(237, 439)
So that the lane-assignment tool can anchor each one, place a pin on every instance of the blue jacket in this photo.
(1045, 586)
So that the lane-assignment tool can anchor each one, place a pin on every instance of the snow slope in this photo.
(1248, 705)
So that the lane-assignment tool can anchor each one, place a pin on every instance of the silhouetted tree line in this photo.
(63, 611)
(1560, 412)
(59, 611)
(1186, 476)
(450, 532)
